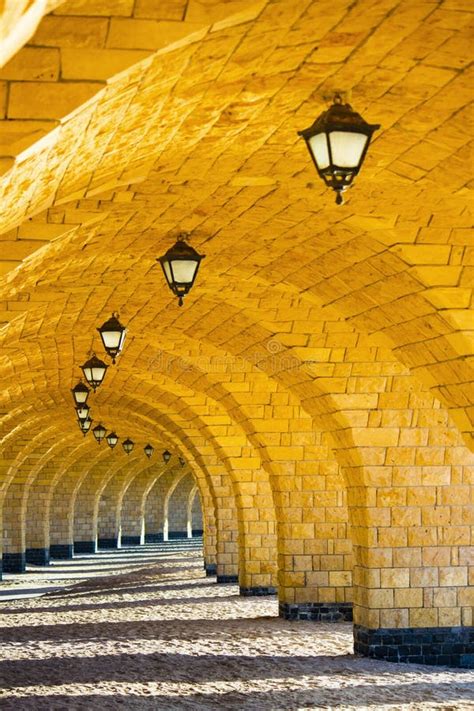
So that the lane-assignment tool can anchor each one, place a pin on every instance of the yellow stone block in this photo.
(424, 254)
(148, 34)
(423, 617)
(48, 100)
(449, 577)
(395, 578)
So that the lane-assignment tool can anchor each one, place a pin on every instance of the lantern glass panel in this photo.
(80, 393)
(167, 270)
(82, 412)
(319, 149)
(128, 445)
(112, 439)
(97, 373)
(113, 339)
(347, 148)
(184, 270)
(85, 425)
(99, 433)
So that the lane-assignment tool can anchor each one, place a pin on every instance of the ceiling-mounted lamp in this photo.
(82, 411)
(166, 456)
(182, 461)
(148, 449)
(80, 393)
(112, 334)
(337, 142)
(85, 425)
(112, 439)
(180, 266)
(128, 445)
(94, 371)
(99, 432)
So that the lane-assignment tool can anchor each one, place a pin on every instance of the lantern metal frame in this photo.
(166, 456)
(83, 411)
(85, 425)
(99, 432)
(148, 449)
(80, 393)
(128, 445)
(94, 362)
(340, 117)
(112, 439)
(180, 251)
(113, 325)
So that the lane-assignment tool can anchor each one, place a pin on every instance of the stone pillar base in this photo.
(227, 578)
(211, 569)
(14, 563)
(153, 538)
(108, 543)
(450, 646)
(85, 547)
(61, 551)
(37, 556)
(258, 591)
(316, 611)
(131, 540)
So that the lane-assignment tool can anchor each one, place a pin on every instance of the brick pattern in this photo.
(319, 379)
(431, 645)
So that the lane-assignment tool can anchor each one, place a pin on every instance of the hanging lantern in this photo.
(112, 439)
(148, 449)
(80, 393)
(85, 425)
(182, 461)
(338, 141)
(112, 334)
(166, 456)
(82, 412)
(99, 432)
(94, 371)
(128, 445)
(180, 266)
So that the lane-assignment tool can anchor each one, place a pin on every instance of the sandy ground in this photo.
(143, 629)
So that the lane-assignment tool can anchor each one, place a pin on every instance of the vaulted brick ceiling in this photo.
(120, 131)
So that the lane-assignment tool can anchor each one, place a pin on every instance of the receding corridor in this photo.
(143, 628)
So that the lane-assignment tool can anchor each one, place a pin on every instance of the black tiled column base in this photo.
(153, 537)
(316, 611)
(131, 540)
(37, 556)
(211, 569)
(107, 543)
(227, 578)
(450, 646)
(176, 534)
(61, 551)
(257, 592)
(85, 547)
(14, 563)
